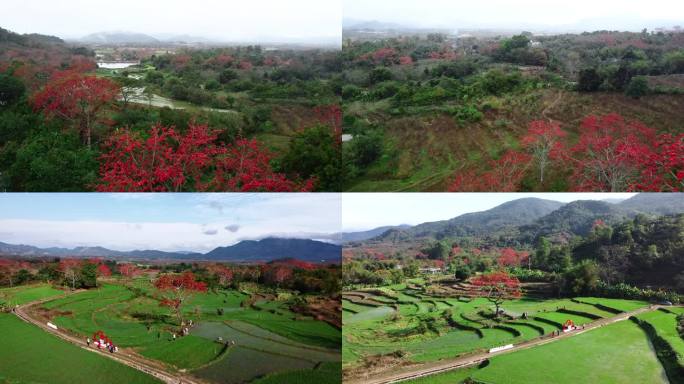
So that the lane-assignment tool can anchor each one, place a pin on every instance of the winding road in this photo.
(123, 356)
(427, 369)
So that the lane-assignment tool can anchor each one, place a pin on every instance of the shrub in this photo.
(637, 87)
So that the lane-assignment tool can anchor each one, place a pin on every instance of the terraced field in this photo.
(406, 325)
(264, 337)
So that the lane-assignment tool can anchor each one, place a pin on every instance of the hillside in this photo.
(511, 214)
(346, 237)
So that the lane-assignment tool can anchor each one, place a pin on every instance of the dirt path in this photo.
(123, 356)
(552, 105)
(417, 371)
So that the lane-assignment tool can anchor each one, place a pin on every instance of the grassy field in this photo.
(266, 331)
(24, 294)
(618, 353)
(30, 355)
(666, 325)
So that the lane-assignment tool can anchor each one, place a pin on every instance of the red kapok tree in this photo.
(76, 98)
(176, 290)
(103, 270)
(509, 257)
(505, 175)
(543, 141)
(497, 287)
(610, 152)
(331, 115)
(171, 161)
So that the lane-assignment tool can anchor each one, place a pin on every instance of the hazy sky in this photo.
(170, 222)
(616, 14)
(228, 20)
(362, 211)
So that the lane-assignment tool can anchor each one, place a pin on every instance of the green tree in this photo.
(378, 75)
(583, 278)
(53, 161)
(589, 80)
(11, 90)
(227, 75)
(637, 87)
(315, 152)
(89, 275)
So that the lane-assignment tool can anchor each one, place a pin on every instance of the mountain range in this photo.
(263, 250)
(528, 218)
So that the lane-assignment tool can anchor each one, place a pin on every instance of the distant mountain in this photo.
(660, 203)
(275, 248)
(119, 38)
(510, 214)
(346, 237)
(527, 219)
(245, 251)
(27, 40)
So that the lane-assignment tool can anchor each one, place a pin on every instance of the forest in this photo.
(638, 258)
(181, 119)
(598, 111)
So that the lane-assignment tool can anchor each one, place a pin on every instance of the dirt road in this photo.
(135, 361)
(427, 369)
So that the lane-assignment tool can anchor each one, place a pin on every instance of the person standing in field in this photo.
(88, 341)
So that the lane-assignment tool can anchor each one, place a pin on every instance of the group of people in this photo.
(100, 340)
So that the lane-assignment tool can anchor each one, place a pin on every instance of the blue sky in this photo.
(187, 222)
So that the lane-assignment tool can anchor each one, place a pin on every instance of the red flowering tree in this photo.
(128, 271)
(663, 168)
(544, 142)
(504, 175)
(509, 257)
(177, 290)
(405, 60)
(103, 271)
(76, 98)
(8, 268)
(246, 65)
(171, 161)
(331, 115)
(276, 274)
(610, 153)
(223, 274)
(497, 287)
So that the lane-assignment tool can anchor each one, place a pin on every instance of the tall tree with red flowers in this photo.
(609, 153)
(171, 161)
(544, 141)
(331, 116)
(128, 271)
(76, 98)
(103, 271)
(176, 290)
(497, 287)
(504, 175)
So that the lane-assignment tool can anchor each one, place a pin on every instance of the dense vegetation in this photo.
(232, 119)
(480, 113)
(609, 260)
